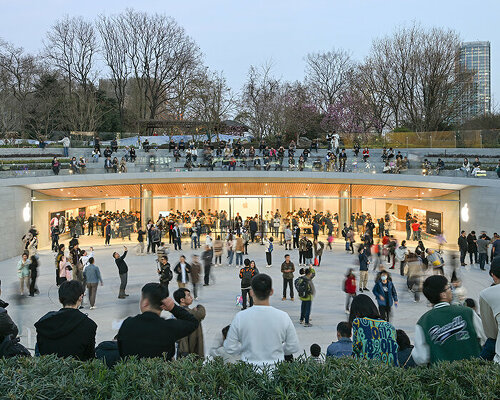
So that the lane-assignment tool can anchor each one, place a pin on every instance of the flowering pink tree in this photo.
(350, 115)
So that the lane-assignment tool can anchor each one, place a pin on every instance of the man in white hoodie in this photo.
(489, 303)
(258, 346)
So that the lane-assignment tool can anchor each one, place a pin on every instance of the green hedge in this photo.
(53, 378)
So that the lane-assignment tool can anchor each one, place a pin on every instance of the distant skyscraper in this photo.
(475, 56)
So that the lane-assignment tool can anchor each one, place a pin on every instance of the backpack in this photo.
(302, 286)
(10, 347)
(166, 274)
(270, 248)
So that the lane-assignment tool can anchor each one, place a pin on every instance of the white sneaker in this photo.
(92, 308)
(268, 266)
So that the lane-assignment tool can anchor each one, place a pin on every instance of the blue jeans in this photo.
(482, 260)
(305, 310)
(66, 151)
(230, 255)
(239, 258)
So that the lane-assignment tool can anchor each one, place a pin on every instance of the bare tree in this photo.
(72, 48)
(114, 46)
(18, 73)
(160, 53)
(327, 76)
(259, 99)
(213, 102)
(417, 77)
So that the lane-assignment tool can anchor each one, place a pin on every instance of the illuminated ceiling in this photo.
(281, 189)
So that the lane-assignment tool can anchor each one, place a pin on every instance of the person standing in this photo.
(446, 332)
(462, 246)
(239, 249)
(472, 247)
(287, 269)
(246, 275)
(193, 343)
(349, 289)
(207, 257)
(218, 249)
(296, 238)
(122, 271)
(165, 272)
(409, 221)
(91, 222)
(385, 293)
(23, 272)
(253, 229)
(269, 252)
(92, 275)
(246, 336)
(107, 232)
(305, 288)
(230, 248)
(140, 241)
(302, 250)
(288, 236)
(176, 232)
(66, 143)
(489, 304)
(33, 267)
(400, 254)
(363, 268)
(318, 251)
(308, 252)
(195, 274)
(182, 269)
(482, 248)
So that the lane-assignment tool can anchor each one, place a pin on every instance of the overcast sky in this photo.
(236, 34)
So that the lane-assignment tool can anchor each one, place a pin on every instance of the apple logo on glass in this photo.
(27, 212)
(465, 213)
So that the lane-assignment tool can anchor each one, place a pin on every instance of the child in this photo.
(349, 289)
(269, 252)
(315, 353)
(330, 241)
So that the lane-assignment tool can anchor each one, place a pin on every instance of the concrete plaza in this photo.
(220, 297)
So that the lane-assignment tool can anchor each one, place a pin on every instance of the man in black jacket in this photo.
(462, 246)
(122, 271)
(147, 335)
(67, 332)
(253, 229)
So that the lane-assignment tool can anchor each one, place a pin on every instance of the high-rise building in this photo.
(475, 57)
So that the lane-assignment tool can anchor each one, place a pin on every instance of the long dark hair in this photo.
(363, 307)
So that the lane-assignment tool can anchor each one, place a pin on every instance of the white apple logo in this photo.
(27, 212)
(465, 213)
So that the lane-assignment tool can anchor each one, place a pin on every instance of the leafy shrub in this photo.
(53, 378)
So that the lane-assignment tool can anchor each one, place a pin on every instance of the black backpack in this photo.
(10, 347)
(302, 286)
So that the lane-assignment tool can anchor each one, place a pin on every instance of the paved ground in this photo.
(219, 298)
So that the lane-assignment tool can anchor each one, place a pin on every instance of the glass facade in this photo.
(475, 56)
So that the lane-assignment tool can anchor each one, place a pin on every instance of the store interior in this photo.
(438, 208)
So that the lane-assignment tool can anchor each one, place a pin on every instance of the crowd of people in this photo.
(451, 330)
(277, 156)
